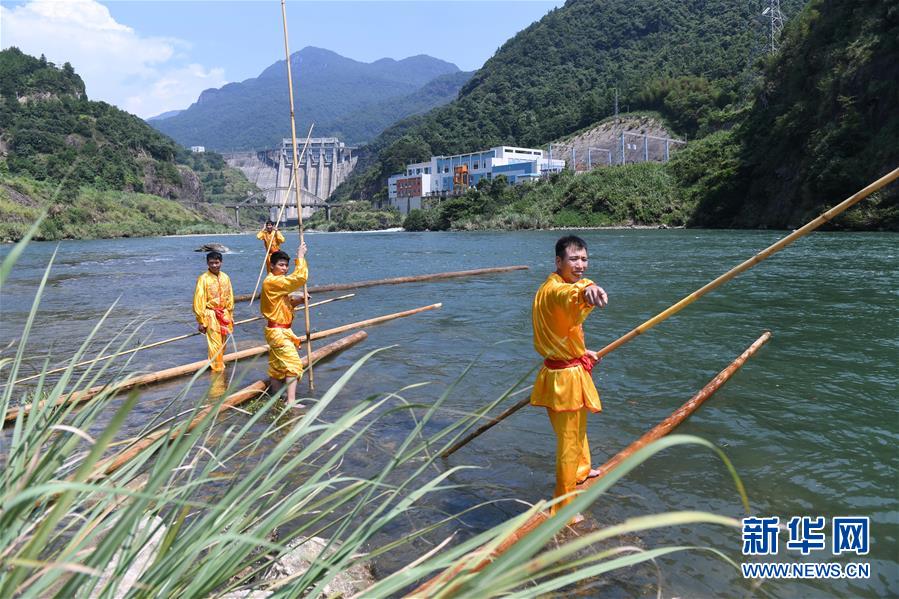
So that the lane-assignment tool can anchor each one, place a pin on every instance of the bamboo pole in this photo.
(170, 373)
(259, 387)
(164, 341)
(376, 320)
(686, 301)
(268, 247)
(296, 187)
(399, 280)
(657, 432)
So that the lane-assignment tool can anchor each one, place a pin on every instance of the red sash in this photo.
(277, 325)
(224, 321)
(585, 362)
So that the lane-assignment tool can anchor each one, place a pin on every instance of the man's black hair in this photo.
(279, 255)
(269, 222)
(566, 242)
(213, 255)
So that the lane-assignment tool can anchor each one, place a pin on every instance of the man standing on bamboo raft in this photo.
(277, 305)
(272, 239)
(564, 385)
(214, 309)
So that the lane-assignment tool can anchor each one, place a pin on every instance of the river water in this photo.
(811, 423)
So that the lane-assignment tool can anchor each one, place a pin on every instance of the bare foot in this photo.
(594, 472)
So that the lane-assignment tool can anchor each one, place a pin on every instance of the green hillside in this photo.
(560, 74)
(823, 125)
(366, 123)
(342, 96)
(85, 162)
(775, 139)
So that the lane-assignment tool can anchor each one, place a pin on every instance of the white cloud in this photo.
(143, 75)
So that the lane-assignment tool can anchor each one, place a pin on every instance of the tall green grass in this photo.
(221, 490)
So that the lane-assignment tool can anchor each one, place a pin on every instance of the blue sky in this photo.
(150, 57)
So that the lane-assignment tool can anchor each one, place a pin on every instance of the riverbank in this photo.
(90, 213)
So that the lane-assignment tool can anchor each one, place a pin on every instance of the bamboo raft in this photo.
(178, 371)
(235, 399)
(170, 340)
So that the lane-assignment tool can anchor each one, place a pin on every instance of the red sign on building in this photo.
(408, 188)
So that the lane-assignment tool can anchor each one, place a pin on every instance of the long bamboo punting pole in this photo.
(164, 341)
(296, 187)
(686, 301)
(399, 280)
(268, 247)
(235, 399)
(170, 373)
(657, 432)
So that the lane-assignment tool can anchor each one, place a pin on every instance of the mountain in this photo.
(561, 73)
(97, 170)
(327, 89)
(164, 115)
(368, 122)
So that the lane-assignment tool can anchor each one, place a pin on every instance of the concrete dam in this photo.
(325, 165)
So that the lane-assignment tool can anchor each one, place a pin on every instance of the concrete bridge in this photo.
(326, 163)
(308, 209)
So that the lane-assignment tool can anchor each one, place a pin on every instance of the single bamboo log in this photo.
(400, 280)
(657, 432)
(170, 373)
(164, 341)
(376, 320)
(686, 301)
(235, 399)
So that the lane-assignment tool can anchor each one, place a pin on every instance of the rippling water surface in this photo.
(811, 423)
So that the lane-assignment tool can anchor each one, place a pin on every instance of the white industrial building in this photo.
(443, 175)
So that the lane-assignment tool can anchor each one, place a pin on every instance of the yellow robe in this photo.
(265, 236)
(567, 394)
(214, 292)
(283, 359)
(558, 315)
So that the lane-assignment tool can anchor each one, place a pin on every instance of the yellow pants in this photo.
(283, 358)
(215, 341)
(572, 452)
(217, 385)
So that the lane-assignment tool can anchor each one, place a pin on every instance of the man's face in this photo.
(269, 227)
(215, 265)
(573, 266)
(280, 267)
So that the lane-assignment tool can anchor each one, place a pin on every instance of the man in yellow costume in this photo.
(214, 308)
(271, 239)
(277, 305)
(564, 385)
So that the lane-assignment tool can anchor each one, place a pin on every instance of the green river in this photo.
(811, 423)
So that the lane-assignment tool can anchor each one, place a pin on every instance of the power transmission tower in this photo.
(775, 22)
(765, 22)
